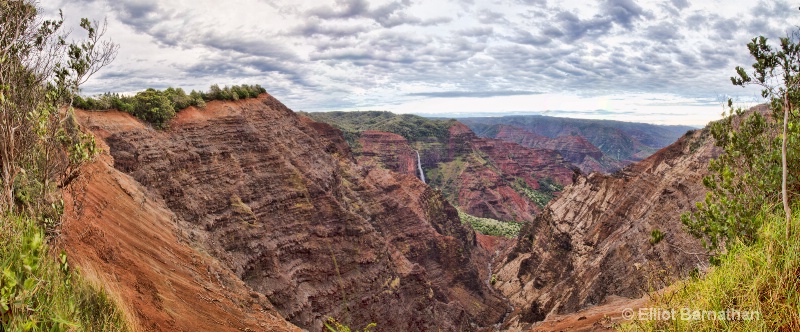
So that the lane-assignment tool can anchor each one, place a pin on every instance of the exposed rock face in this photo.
(128, 241)
(387, 150)
(593, 241)
(484, 173)
(281, 203)
(520, 136)
(575, 149)
(477, 174)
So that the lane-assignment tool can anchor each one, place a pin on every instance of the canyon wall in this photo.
(620, 142)
(594, 240)
(280, 201)
(124, 239)
(575, 149)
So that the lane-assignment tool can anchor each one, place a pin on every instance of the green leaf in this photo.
(29, 284)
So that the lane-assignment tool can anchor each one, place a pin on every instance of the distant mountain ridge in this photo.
(625, 142)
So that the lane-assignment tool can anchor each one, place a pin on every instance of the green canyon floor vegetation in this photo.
(488, 226)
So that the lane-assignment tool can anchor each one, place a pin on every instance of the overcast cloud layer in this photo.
(661, 61)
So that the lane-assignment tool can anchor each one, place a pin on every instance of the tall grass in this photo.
(39, 292)
(763, 277)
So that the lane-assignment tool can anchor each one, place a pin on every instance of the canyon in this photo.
(282, 214)
(484, 177)
(246, 215)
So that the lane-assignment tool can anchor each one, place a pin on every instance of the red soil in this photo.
(128, 242)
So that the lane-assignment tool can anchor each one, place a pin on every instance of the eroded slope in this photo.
(286, 209)
(594, 240)
(125, 239)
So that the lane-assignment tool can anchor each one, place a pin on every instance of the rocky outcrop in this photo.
(594, 240)
(124, 239)
(280, 202)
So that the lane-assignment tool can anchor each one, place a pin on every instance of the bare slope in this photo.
(118, 234)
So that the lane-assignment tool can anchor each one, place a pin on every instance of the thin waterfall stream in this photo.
(419, 165)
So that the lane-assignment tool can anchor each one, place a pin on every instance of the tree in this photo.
(154, 107)
(40, 73)
(742, 182)
(752, 174)
(777, 71)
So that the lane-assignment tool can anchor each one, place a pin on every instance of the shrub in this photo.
(743, 180)
(334, 326)
(154, 107)
(656, 236)
(158, 107)
(41, 294)
(759, 152)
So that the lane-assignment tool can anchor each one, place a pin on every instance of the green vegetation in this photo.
(757, 255)
(546, 192)
(412, 127)
(39, 75)
(777, 71)
(158, 107)
(446, 176)
(745, 178)
(40, 294)
(760, 277)
(41, 147)
(489, 226)
(334, 326)
(656, 236)
(752, 172)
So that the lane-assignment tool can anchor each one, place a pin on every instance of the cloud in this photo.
(680, 4)
(388, 15)
(623, 12)
(356, 53)
(471, 94)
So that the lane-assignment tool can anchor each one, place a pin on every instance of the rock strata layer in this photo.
(594, 240)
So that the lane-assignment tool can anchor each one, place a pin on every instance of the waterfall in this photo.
(419, 165)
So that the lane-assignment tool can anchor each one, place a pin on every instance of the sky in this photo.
(655, 61)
